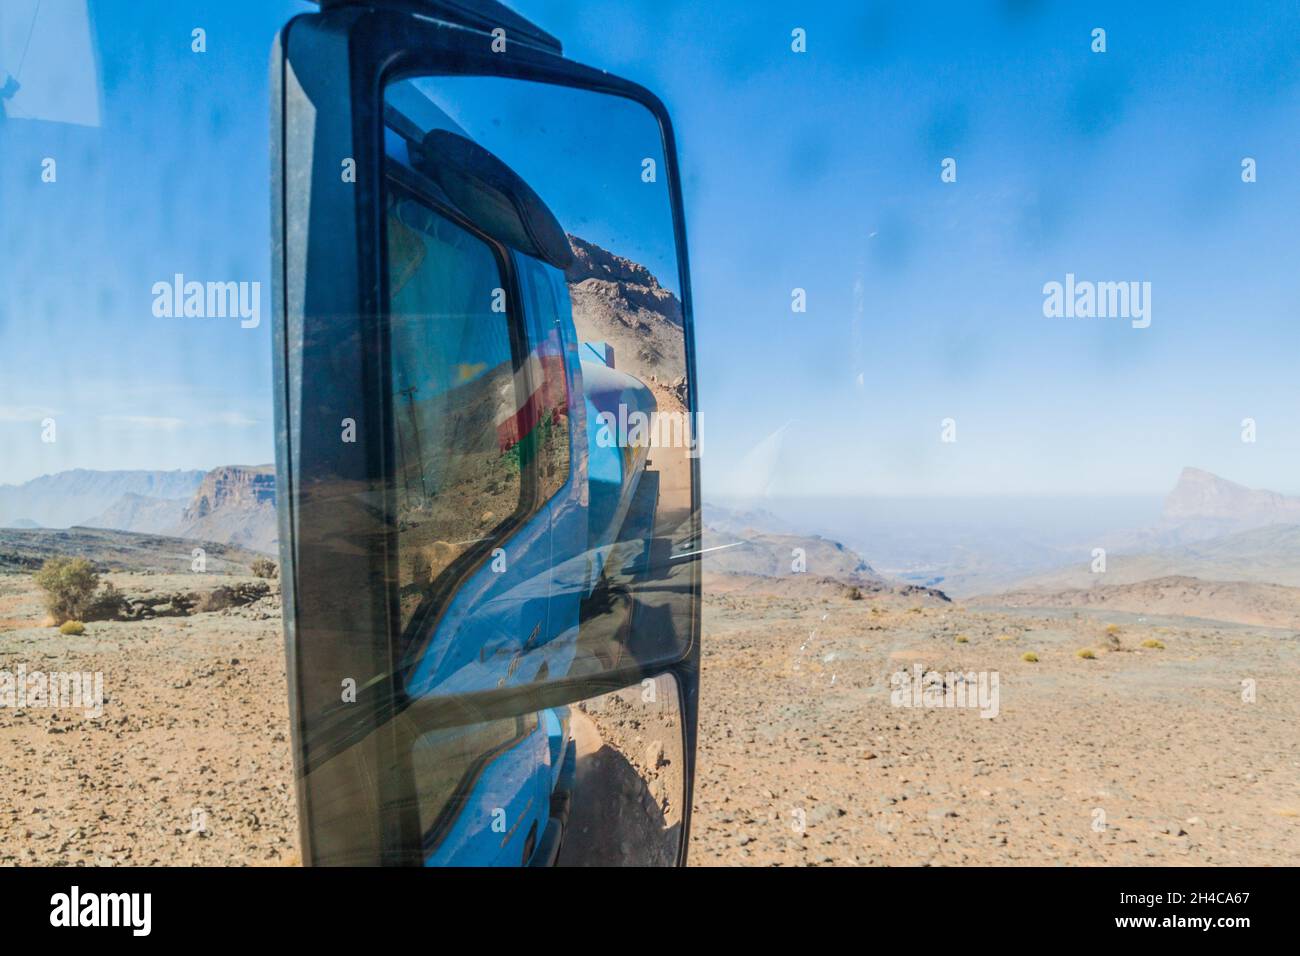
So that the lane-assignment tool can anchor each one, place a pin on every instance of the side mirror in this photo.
(487, 442)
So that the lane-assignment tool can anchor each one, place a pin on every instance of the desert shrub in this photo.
(266, 568)
(1029, 657)
(1112, 629)
(1152, 643)
(69, 585)
(1086, 653)
(107, 605)
(963, 639)
(72, 628)
(1004, 637)
(855, 593)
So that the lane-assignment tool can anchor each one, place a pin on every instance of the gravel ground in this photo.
(1140, 756)
(190, 762)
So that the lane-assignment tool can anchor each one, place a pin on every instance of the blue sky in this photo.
(822, 170)
(173, 179)
(817, 170)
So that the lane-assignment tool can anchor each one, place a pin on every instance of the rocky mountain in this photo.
(109, 550)
(1222, 552)
(140, 513)
(235, 504)
(74, 497)
(618, 301)
(774, 555)
(749, 561)
(1206, 501)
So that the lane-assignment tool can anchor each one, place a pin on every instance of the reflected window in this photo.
(535, 196)
(547, 308)
(459, 463)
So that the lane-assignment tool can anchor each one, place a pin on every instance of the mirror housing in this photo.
(334, 459)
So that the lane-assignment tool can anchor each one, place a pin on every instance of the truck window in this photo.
(547, 309)
(459, 462)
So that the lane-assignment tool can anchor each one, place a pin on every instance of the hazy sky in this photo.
(822, 170)
(818, 170)
(174, 178)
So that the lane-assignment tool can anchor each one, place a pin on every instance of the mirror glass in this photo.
(597, 783)
(629, 795)
(540, 438)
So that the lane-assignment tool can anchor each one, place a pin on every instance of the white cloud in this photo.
(24, 413)
(149, 422)
(235, 420)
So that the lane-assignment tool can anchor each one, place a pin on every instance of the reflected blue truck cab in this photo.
(513, 621)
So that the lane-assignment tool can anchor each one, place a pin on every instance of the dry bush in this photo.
(266, 568)
(69, 585)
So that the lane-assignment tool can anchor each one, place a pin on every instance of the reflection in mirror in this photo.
(597, 783)
(516, 528)
(540, 427)
(629, 791)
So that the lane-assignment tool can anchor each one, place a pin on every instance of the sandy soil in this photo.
(1140, 756)
(190, 762)
(1137, 757)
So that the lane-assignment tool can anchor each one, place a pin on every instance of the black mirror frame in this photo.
(329, 72)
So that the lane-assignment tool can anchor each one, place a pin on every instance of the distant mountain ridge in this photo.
(740, 520)
(1268, 554)
(141, 514)
(81, 495)
(1222, 551)
(1216, 504)
(110, 550)
(740, 558)
(777, 555)
(233, 504)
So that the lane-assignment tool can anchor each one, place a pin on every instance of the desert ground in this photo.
(1139, 756)
(190, 762)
